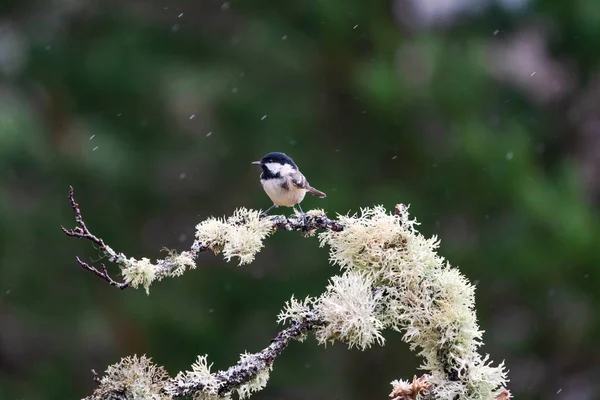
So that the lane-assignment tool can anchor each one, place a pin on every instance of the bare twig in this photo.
(81, 231)
(102, 273)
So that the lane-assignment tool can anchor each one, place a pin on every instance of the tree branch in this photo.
(309, 223)
(393, 278)
(246, 369)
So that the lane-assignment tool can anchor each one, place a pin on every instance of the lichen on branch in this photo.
(392, 278)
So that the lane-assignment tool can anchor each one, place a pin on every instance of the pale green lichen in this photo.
(143, 272)
(137, 378)
(201, 376)
(348, 308)
(296, 310)
(176, 264)
(241, 235)
(139, 272)
(212, 233)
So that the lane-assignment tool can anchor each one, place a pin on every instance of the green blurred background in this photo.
(484, 115)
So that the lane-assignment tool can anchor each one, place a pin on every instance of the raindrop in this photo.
(182, 175)
(284, 37)
(192, 116)
(212, 310)
(533, 73)
(355, 26)
(497, 31)
(180, 15)
(95, 148)
(263, 117)
(49, 47)
(586, 276)
(93, 136)
(509, 155)
(182, 237)
(208, 134)
(559, 390)
(234, 90)
(175, 28)
(393, 158)
(119, 114)
(8, 292)
(225, 6)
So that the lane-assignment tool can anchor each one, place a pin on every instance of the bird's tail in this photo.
(316, 192)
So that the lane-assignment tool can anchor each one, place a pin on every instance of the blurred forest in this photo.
(483, 115)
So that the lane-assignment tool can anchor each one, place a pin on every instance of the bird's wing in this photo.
(299, 180)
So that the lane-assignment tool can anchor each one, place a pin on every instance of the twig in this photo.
(81, 231)
(103, 273)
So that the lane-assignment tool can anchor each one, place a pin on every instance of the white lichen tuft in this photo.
(137, 378)
(370, 240)
(176, 264)
(296, 310)
(139, 272)
(212, 232)
(257, 383)
(200, 376)
(349, 309)
(241, 235)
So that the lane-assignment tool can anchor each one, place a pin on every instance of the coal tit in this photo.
(283, 182)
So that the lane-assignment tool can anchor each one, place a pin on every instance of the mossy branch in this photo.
(392, 278)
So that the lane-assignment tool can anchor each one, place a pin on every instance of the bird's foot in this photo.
(266, 212)
(304, 218)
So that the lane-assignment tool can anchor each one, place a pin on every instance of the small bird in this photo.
(283, 182)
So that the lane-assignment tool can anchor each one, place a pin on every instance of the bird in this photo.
(283, 182)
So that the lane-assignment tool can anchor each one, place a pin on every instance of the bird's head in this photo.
(276, 163)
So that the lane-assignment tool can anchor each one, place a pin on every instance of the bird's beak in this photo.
(256, 162)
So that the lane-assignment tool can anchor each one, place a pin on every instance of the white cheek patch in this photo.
(274, 167)
(286, 169)
(282, 169)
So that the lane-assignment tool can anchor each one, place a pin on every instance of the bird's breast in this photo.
(283, 192)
